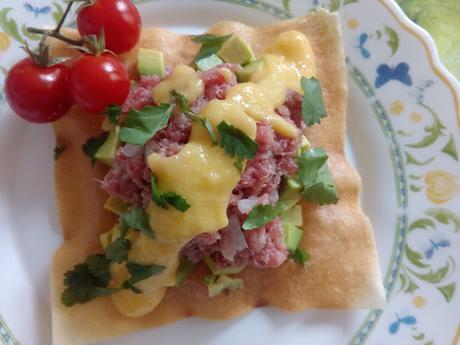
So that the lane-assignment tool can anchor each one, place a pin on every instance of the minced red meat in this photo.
(129, 179)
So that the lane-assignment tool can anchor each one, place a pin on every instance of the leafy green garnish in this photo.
(312, 102)
(236, 143)
(262, 214)
(117, 251)
(58, 150)
(185, 108)
(184, 269)
(142, 125)
(137, 219)
(84, 281)
(318, 186)
(113, 113)
(210, 45)
(175, 200)
(92, 145)
(300, 256)
(156, 195)
(140, 272)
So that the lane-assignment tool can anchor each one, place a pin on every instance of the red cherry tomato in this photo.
(38, 94)
(119, 18)
(98, 81)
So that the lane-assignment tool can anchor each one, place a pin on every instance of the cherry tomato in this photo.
(38, 94)
(119, 18)
(98, 81)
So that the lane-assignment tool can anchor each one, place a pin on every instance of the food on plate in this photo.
(223, 194)
(215, 181)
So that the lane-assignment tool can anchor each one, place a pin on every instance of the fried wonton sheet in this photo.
(343, 272)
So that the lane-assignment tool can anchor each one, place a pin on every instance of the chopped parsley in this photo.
(312, 102)
(236, 143)
(318, 186)
(185, 267)
(300, 256)
(113, 113)
(177, 201)
(92, 145)
(185, 108)
(117, 251)
(142, 125)
(86, 281)
(162, 199)
(137, 219)
(90, 279)
(263, 214)
(140, 272)
(58, 150)
(210, 45)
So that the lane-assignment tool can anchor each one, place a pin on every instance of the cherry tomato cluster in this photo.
(40, 90)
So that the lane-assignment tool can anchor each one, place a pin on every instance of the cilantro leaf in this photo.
(83, 281)
(140, 272)
(210, 44)
(113, 113)
(157, 198)
(117, 251)
(263, 214)
(92, 145)
(137, 219)
(177, 201)
(318, 186)
(185, 108)
(185, 267)
(58, 150)
(236, 143)
(312, 101)
(300, 256)
(98, 265)
(128, 285)
(142, 125)
(102, 291)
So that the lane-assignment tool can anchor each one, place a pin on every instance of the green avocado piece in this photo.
(236, 50)
(216, 270)
(217, 284)
(208, 62)
(245, 74)
(150, 61)
(116, 205)
(185, 267)
(292, 236)
(106, 153)
(293, 216)
(290, 189)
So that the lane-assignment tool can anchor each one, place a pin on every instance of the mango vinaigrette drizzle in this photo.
(202, 172)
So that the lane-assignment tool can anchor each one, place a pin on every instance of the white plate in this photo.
(403, 137)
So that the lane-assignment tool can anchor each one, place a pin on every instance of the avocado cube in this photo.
(150, 61)
(236, 50)
(106, 153)
(290, 189)
(293, 216)
(208, 62)
(217, 284)
(292, 236)
(245, 74)
(116, 205)
(216, 270)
